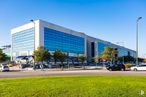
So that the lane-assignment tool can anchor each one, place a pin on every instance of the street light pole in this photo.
(137, 39)
(34, 41)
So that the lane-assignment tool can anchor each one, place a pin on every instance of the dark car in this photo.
(39, 66)
(116, 67)
(24, 65)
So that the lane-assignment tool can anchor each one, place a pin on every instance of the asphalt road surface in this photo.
(29, 73)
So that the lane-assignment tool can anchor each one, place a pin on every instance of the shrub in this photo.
(128, 65)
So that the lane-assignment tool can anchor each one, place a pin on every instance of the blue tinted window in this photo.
(123, 52)
(101, 46)
(56, 40)
(23, 41)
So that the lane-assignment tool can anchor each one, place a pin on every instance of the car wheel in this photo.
(122, 69)
(110, 69)
(135, 69)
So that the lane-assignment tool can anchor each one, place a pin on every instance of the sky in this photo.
(110, 20)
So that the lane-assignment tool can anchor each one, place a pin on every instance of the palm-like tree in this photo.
(109, 54)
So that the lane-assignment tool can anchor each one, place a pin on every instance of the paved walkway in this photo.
(28, 73)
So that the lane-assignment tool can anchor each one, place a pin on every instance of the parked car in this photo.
(138, 67)
(39, 66)
(116, 67)
(24, 65)
(4, 68)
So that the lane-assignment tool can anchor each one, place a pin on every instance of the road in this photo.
(29, 73)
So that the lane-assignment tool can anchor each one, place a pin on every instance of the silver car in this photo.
(138, 67)
(4, 68)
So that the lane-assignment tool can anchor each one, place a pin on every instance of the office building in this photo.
(26, 38)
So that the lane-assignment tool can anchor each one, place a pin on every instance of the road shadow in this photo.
(14, 70)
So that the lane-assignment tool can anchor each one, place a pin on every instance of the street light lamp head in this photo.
(32, 20)
(139, 18)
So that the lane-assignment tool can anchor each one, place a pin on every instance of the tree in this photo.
(109, 54)
(55, 55)
(126, 59)
(3, 56)
(41, 54)
(60, 56)
(97, 58)
(82, 58)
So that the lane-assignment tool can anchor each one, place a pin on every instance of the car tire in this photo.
(135, 69)
(122, 69)
(110, 69)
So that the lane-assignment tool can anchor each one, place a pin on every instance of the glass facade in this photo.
(23, 41)
(122, 52)
(101, 46)
(56, 40)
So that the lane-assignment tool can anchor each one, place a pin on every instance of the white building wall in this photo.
(29, 26)
(36, 34)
